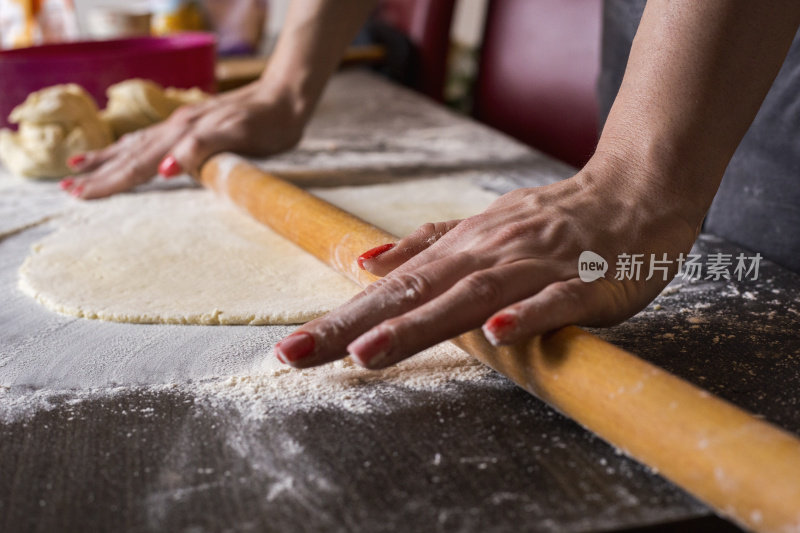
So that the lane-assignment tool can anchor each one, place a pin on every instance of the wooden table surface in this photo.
(136, 455)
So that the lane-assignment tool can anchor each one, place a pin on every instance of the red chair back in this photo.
(426, 23)
(538, 73)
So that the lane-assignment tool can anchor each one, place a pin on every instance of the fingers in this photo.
(383, 259)
(387, 297)
(462, 308)
(559, 304)
(129, 162)
(92, 160)
(118, 174)
(385, 329)
(134, 161)
(183, 142)
(88, 161)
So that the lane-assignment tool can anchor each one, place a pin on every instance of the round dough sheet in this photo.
(187, 257)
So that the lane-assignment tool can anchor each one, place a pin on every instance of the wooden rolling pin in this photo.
(745, 468)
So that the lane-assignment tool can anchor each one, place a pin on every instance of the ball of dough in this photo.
(55, 124)
(135, 104)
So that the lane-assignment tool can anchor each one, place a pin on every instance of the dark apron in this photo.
(758, 203)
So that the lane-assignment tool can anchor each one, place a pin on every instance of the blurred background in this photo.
(465, 36)
(466, 29)
(528, 68)
(107, 19)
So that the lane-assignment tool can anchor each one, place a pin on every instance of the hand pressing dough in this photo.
(136, 104)
(189, 257)
(54, 124)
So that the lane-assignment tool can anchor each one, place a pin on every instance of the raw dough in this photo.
(188, 257)
(135, 104)
(54, 124)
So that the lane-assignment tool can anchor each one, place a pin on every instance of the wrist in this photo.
(647, 185)
(291, 91)
(661, 158)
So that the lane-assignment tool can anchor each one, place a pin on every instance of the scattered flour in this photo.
(341, 383)
(274, 385)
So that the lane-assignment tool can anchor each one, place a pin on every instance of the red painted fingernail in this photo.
(371, 348)
(76, 160)
(169, 167)
(499, 326)
(373, 253)
(295, 347)
(76, 192)
(66, 183)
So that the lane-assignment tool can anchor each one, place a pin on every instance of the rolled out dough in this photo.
(190, 258)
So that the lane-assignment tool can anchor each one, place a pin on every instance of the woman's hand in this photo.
(252, 120)
(512, 269)
(266, 117)
(696, 75)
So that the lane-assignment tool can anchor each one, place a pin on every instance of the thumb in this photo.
(196, 146)
(187, 155)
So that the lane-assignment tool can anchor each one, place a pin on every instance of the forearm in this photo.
(697, 74)
(310, 47)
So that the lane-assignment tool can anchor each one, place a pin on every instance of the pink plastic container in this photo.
(184, 61)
